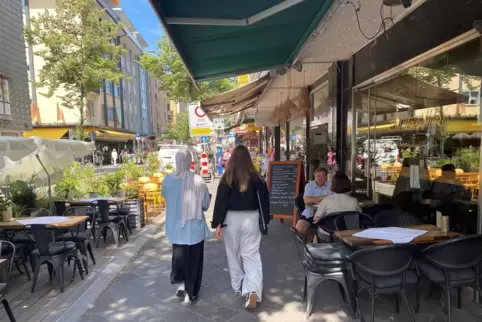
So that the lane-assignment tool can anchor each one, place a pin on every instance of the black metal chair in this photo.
(108, 220)
(123, 210)
(7, 252)
(54, 254)
(82, 233)
(383, 270)
(395, 218)
(34, 212)
(373, 210)
(322, 262)
(327, 228)
(17, 253)
(451, 264)
(352, 220)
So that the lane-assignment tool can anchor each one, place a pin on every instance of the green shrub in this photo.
(131, 171)
(467, 159)
(113, 181)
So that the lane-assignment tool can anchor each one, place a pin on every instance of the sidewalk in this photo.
(142, 291)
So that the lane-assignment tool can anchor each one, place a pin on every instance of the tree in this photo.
(179, 130)
(79, 50)
(174, 79)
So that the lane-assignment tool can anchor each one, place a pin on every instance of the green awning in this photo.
(230, 37)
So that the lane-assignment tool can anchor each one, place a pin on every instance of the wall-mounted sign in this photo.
(199, 122)
(248, 127)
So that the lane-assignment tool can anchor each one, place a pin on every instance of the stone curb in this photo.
(77, 303)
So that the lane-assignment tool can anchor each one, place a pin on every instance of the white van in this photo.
(167, 155)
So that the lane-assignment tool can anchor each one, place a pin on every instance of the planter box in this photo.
(136, 212)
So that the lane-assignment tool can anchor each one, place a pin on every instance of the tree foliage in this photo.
(77, 44)
(179, 130)
(174, 79)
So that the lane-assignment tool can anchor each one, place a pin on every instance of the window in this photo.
(110, 114)
(4, 97)
(472, 97)
(116, 90)
(108, 87)
(91, 108)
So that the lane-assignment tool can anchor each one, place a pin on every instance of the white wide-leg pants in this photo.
(241, 239)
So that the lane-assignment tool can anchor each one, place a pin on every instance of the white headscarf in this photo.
(193, 187)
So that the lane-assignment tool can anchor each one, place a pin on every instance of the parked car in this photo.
(167, 155)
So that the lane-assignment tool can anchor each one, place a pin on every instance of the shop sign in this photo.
(243, 79)
(418, 123)
(248, 127)
(199, 122)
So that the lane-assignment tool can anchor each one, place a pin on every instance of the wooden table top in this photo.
(433, 235)
(72, 222)
(88, 201)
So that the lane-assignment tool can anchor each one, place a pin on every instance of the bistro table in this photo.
(73, 221)
(433, 235)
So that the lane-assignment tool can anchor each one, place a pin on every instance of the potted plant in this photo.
(5, 209)
(22, 195)
(113, 181)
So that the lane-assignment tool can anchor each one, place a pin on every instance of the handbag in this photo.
(263, 227)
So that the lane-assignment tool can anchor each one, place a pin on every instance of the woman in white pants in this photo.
(241, 206)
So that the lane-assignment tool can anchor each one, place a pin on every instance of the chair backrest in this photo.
(42, 238)
(34, 212)
(458, 253)
(103, 208)
(373, 210)
(299, 204)
(352, 220)
(60, 207)
(81, 211)
(387, 260)
(395, 218)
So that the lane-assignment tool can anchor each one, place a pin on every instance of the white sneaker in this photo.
(251, 299)
(181, 291)
(186, 299)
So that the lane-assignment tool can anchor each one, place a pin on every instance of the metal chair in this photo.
(453, 264)
(34, 212)
(374, 209)
(60, 207)
(395, 218)
(54, 254)
(17, 253)
(322, 262)
(383, 270)
(9, 256)
(352, 220)
(109, 220)
(81, 235)
(327, 228)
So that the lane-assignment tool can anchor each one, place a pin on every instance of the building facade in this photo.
(14, 96)
(122, 107)
(159, 107)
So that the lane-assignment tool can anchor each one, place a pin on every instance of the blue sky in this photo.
(144, 19)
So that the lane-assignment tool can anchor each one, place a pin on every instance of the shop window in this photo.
(110, 113)
(417, 114)
(4, 97)
(108, 86)
(116, 90)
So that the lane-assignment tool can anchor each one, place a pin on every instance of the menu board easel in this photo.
(285, 181)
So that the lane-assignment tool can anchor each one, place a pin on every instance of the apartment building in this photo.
(14, 96)
(115, 111)
(159, 107)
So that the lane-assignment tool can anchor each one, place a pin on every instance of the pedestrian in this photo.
(241, 205)
(114, 157)
(187, 197)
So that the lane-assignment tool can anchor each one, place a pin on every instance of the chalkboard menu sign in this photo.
(284, 180)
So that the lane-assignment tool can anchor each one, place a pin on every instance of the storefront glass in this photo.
(429, 111)
(323, 130)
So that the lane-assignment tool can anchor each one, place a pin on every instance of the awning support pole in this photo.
(48, 182)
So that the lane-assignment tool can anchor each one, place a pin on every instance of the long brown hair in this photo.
(240, 169)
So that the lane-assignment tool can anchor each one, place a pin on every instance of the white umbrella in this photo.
(49, 157)
(476, 135)
(13, 149)
(461, 136)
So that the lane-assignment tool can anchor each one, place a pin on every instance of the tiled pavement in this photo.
(142, 291)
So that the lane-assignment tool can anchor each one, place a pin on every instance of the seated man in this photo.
(315, 191)
(448, 186)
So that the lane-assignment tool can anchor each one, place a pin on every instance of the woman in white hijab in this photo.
(187, 197)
